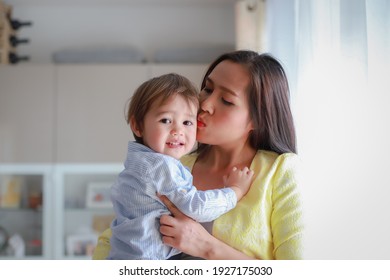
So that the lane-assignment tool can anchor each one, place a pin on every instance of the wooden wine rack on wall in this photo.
(5, 32)
(8, 36)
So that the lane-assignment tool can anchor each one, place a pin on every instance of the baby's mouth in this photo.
(174, 144)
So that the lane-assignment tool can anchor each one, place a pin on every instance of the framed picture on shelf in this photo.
(80, 244)
(98, 195)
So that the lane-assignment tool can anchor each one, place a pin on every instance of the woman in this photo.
(244, 120)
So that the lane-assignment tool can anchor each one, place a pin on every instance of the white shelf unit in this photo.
(31, 223)
(77, 223)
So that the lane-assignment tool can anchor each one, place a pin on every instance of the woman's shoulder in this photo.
(189, 160)
(272, 158)
(269, 162)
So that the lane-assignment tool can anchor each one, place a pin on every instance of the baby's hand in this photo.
(239, 180)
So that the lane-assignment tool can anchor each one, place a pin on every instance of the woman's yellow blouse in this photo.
(267, 223)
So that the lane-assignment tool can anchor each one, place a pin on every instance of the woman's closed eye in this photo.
(209, 91)
(226, 102)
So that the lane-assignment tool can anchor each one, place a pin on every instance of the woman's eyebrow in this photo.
(222, 87)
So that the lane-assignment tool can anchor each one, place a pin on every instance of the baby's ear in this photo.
(135, 128)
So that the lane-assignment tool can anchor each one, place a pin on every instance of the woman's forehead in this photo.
(230, 75)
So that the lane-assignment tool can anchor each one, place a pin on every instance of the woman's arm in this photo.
(190, 237)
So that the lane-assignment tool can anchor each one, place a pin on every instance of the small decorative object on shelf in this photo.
(17, 245)
(10, 192)
(81, 244)
(35, 200)
(98, 195)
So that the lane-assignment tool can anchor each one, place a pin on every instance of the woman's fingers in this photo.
(166, 225)
(168, 240)
(167, 230)
(171, 227)
(171, 207)
(167, 220)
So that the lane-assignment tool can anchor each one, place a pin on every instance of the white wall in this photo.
(146, 25)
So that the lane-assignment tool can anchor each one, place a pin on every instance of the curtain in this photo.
(337, 56)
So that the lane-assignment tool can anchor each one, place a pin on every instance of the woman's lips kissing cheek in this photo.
(201, 124)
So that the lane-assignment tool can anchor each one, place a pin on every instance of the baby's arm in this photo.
(205, 206)
(239, 181)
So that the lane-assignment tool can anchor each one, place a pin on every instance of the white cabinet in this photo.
(84, 207)
(26, 196)
(26, 114)
(55, 211)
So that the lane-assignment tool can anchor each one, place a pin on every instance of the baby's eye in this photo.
(188, 123)
(167, 121)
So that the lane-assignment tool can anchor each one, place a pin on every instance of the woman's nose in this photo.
(207, 104)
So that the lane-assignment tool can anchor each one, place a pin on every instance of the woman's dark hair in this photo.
(268, 99)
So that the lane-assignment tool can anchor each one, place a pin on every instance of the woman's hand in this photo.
(183, 233)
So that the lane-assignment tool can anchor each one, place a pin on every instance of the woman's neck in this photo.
(215, 162)
(222, 158)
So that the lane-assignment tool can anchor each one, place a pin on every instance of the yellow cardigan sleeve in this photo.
(286, 219)
(102, 249)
